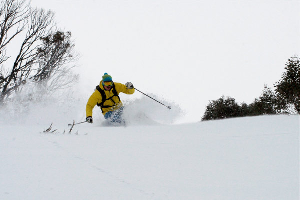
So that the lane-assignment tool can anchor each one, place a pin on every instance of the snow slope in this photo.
(244, 158)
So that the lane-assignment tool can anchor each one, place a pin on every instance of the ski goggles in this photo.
(107, 83)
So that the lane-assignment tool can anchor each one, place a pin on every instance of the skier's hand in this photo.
(89, 119)
(129, 85)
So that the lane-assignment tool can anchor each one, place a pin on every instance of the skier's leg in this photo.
(117, 116)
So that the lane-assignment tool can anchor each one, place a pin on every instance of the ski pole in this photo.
(72, 125)
(76, 123)
(153, 99)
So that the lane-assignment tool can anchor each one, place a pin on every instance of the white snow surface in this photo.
(255, 158)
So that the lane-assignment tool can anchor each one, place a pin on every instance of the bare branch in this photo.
(13, 13)
(39, 23)
(43, 55)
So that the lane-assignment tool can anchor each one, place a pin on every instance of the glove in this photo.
(129, 85)
(89, 119)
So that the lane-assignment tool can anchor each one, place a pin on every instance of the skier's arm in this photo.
(122, 88)
(94, 98)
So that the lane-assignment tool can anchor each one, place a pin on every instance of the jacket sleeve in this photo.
(94, 98)
(122, 88)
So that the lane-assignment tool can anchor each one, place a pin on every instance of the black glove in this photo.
(89, 119)
(129, 85)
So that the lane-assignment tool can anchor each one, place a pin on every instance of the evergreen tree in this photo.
(265, 104)
(288, 88)
(228, 108)
(222, 108)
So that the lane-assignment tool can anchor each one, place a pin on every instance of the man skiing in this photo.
(106, 96)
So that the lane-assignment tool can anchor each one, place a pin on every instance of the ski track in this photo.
(98, 169)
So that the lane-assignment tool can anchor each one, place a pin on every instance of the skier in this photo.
(106, 96)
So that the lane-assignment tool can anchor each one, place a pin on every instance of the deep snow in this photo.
(244, 158)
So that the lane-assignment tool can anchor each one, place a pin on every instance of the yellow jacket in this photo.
(114, 103)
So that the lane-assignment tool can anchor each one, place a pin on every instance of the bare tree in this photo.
(53, 58)
(13, 19)
(55, 51)
(43, 52)
(38, 23)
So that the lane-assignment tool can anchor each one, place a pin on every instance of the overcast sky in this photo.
(185, 51)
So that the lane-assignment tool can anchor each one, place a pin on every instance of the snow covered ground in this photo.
(255, 158)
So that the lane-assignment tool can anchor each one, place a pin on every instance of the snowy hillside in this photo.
(254, 158)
